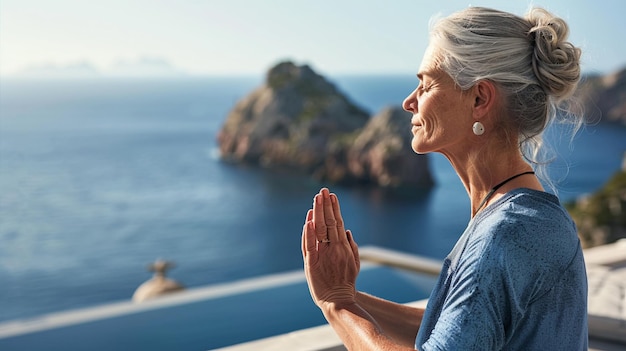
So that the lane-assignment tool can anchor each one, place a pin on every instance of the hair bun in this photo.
(556, 62)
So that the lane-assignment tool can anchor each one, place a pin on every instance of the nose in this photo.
(410, 103)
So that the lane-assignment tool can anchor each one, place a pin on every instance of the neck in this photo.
(498, 186)
(482, 172)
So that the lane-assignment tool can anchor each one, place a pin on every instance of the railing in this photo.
(605, 267)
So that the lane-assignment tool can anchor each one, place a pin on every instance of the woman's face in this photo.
(442, 114)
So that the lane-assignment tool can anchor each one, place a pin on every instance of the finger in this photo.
(354, 247)
(309, 216)
(309, 243)
(318, 217)
(329, 217)
(337, 215)
(303, 242)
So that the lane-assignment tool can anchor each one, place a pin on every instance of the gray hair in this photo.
(530, 60)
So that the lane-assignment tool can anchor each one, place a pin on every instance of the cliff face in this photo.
(382, 152)
(289, 121)
(605, 96)
(299, 120)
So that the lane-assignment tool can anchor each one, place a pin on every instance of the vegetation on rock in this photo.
(601, 217)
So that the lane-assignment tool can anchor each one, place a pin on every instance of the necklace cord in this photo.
(498, 186)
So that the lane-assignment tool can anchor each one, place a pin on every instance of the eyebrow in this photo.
(420, 75)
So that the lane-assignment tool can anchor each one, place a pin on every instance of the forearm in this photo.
(358, 329)
(398, 321)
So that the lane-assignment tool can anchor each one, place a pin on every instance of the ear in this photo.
(484, 99)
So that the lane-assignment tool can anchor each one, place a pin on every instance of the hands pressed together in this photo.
(331, 265)
(331, 257)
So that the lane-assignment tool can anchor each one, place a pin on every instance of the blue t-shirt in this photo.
(515, 280)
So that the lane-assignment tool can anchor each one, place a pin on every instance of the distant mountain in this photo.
(82, 69)
(142, 67)
(605, 96)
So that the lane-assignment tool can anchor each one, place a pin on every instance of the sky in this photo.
(223, 37)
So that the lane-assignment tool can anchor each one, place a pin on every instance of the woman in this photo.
(490, 82)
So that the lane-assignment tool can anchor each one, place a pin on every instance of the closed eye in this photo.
(423, 88)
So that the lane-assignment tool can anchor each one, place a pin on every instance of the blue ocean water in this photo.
(98, 178)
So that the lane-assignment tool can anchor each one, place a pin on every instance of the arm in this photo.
(358, 330)
(399, 321)
(331, 266)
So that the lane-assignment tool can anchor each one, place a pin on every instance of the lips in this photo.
(415, 124)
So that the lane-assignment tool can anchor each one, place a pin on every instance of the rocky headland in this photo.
(298, 120)
(601, 217)
(604, 97)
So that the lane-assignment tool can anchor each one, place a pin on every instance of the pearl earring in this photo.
(478, 128)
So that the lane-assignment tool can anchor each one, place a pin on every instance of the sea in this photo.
(100, 177)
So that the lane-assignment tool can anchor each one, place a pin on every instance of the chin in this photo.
(419, 149)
